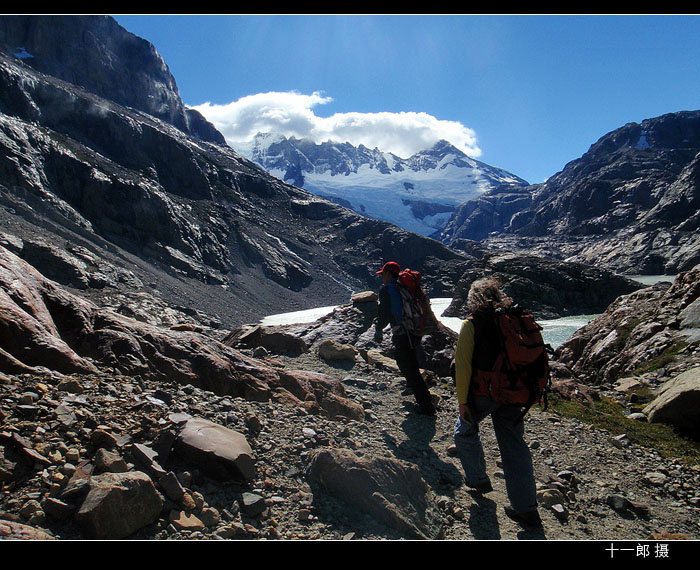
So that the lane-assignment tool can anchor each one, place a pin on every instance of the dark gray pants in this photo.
(406, 355)
(515, 454)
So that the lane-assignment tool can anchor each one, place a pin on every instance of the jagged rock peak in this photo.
(97, 54)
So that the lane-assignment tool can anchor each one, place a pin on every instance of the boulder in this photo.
(364, 297)
(678, 402)
(217, 450)
(376, 358)
(276, 341)
(387, 489)
(119, 504)
(318, 394)
(333, 350)
(690, 323)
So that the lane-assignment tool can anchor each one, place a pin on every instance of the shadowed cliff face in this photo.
(100, 56)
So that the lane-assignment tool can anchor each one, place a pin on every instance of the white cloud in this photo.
(291, 114)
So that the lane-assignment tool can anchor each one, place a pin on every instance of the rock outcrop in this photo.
(116, 65)
(649, 340)
(118, 504)
(43, 327)
(385, 488)
(677, 402)
(637, 332)
(547, 287)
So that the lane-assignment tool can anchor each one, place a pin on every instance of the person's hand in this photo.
(465, 414)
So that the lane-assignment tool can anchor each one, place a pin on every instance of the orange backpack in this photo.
(418, 316)
(520, 374)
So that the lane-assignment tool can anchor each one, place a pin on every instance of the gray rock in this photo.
(172, 486)
(623, 505)
(656, 478)
(267, 337)
(58, 510)
(678, 402)
(148, 459)
(108, 461)
(560, 512)
(690, 323)
(639, 416)
(253, 504)
(221, 452)
(364, 297)
(391, 491)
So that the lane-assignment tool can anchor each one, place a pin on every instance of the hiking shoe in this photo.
(530, 519)
(482, 488)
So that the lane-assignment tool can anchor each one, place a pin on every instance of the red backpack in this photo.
(520, 374)
(418, 316)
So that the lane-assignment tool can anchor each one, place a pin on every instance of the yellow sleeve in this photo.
(463, 360)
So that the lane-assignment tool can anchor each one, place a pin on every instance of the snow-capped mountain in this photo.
(418, 193)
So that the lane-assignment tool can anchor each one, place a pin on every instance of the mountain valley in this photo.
(139, 252)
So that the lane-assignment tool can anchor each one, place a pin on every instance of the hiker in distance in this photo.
(478, 357)
(406, 344)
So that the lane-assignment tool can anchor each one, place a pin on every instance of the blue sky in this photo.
(527, 93)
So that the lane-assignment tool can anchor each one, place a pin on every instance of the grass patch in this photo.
(609, 415)
(661, 361)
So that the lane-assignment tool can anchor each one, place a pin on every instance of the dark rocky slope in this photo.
(194, 223)
(106, 60)
(629, 204)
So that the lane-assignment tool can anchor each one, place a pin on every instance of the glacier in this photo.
(418, 194)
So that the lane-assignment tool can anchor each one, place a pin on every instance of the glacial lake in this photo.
(554, 331)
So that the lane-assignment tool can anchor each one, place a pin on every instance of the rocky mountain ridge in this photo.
(547, 287)
(106, 60)
(630, 203)
(101, 189)
(418, 193)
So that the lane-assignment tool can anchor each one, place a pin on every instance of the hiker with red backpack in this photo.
(403, 305)
(501, 368)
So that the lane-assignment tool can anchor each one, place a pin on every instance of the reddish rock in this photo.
(10, 530)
